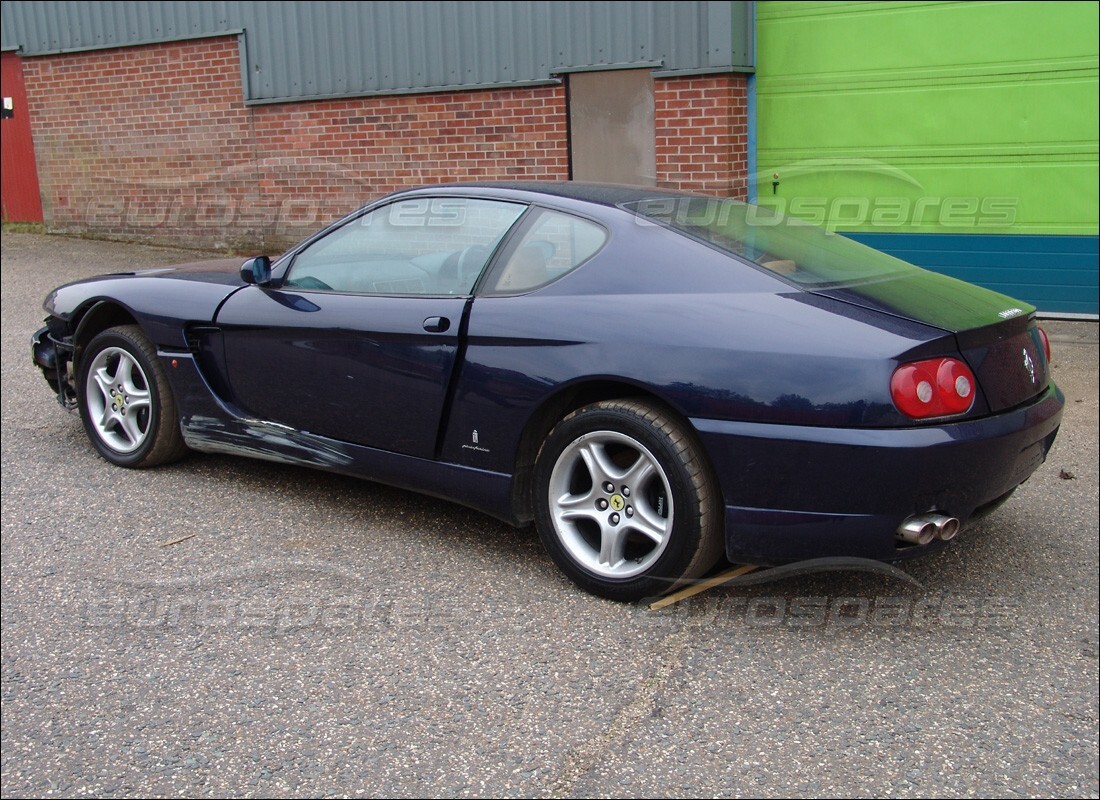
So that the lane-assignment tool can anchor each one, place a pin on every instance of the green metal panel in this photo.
(973, 117)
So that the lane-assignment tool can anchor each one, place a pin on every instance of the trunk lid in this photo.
(996, 334)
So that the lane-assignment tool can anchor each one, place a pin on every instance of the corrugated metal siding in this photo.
(900, 121)
(42, 27)
(332, 49)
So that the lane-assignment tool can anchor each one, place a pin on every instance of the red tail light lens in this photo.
(935, 387)
(1045, 340)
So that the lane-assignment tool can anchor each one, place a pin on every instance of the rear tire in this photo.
(625, 503)
(126, 402)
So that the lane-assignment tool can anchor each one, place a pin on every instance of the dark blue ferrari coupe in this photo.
(655, 379)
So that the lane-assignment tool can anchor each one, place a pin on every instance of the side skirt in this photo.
(212, 426)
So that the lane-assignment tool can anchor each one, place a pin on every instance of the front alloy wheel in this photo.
(118, 399)
(126, 403)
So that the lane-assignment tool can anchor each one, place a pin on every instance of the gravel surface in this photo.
(319, 636)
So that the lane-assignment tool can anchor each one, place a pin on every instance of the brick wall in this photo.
(701, 134)
(345, 152)
(148, 142)
(155, 143)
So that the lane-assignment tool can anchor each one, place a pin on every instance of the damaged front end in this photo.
(52, 351)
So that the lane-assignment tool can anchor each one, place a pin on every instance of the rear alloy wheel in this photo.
(625, 504)
(126, 403)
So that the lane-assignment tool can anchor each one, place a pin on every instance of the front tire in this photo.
(126, 403)
(625, 503)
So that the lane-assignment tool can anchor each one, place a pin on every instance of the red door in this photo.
(18, 174)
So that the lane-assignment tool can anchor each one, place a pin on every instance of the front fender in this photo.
(162, 306)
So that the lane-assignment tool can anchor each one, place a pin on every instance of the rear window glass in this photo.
(802, 253)
(553, 246)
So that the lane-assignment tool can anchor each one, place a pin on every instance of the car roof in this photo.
(603, 194)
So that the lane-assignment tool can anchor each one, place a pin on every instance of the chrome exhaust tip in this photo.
(947, 528)
(923, 528)
(917, 530)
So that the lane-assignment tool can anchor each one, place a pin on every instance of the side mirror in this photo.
(256, 270)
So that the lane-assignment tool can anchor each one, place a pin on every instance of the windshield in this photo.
(802, 253)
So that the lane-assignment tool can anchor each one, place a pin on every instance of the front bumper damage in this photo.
(54, 356)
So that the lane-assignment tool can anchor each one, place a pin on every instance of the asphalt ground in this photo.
(225, 627)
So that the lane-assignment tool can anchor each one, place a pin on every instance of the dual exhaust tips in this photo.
(923, 528)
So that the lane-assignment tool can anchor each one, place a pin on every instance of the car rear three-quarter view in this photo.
(904, 440)
(656, 380)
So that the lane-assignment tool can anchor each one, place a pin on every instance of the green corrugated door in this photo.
(941, 131)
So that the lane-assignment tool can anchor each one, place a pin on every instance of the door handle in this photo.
(436, 324)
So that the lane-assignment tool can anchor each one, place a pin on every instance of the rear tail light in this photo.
(935, 387)
(1045, 340)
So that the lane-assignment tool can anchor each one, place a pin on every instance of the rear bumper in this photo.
(795, 492)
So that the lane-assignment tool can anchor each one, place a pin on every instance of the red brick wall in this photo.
(701, 134)
(155, 143)
(148, 142)
(345, 152)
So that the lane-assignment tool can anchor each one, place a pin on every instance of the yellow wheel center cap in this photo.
(617, 502)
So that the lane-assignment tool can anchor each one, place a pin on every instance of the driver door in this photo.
(359, 340)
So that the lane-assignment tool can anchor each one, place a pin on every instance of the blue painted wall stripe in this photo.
(1057, 274)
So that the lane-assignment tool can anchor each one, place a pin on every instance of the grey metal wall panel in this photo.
(333, 49)
(53, 26)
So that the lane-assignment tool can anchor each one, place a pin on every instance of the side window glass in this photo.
(555, 245)
(426, 246)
